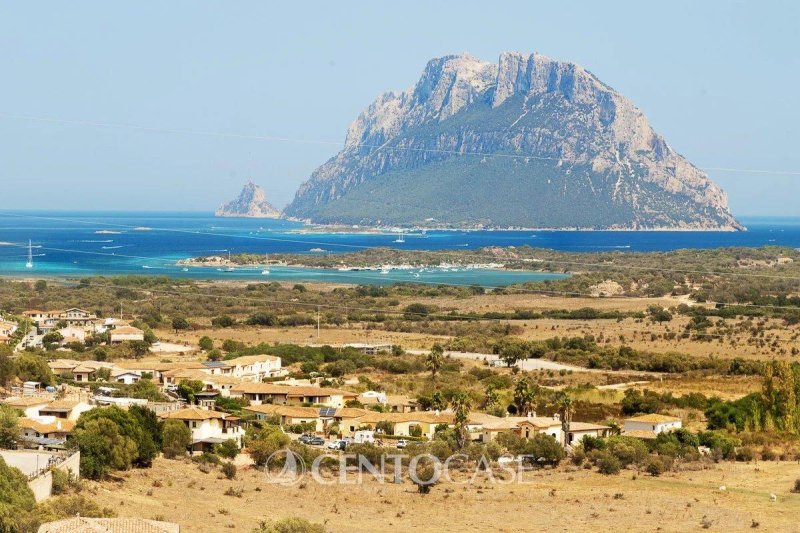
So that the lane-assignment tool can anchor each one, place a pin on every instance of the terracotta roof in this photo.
(653, 419)
(400, 400)
(193, 413)
(351, 412)
(108, 525)
(66, 405)
(82, 369)
(27, 401)
(46, 427)
(285, 410)
(428, 417)
(126, 330)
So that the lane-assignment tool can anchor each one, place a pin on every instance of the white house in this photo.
(73, 334)
(125, 333)
(208, 427)
(247, 368)
(650, 425)
(128, 377)
(29, 405)
(65, 409)
(579, 430)
(257, 393)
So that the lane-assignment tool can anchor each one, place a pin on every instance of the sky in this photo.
(187, 84)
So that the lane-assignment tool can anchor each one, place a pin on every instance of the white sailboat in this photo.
(29, 264)
(265, 272)
(230, 268)
(400, 238)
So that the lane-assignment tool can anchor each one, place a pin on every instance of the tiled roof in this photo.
(46, 427)
(653, 419)
(66, 405)
(27, 401)
(193, 413)
(291, 391)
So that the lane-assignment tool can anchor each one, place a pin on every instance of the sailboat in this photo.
(400, 238)
(265, 272)
(29, 264)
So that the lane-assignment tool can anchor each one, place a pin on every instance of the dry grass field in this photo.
(566, 499)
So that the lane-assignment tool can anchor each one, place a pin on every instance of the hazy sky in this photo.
(720, 80)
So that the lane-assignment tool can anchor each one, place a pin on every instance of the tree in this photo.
(53, 337)
(659, 314)
(109, 439)
(140, 348)
(544, 449)
(9, 430)
(223, 321)
(150, 443)
(102, 374)
(461, 404)
(7, 368)
(17, 502)
(145, 389)
(188, 388)
(525, 396)
(206, 343)
(40, 285)
(262, 319)
(563, 403)
(228, 449)
(32, 367)
(176, 438)
(434, 360)
(179, 323)
(261, 448)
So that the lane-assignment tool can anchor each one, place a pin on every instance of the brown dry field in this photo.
(566, 499)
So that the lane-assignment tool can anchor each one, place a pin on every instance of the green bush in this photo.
(228, 449)
(607, 463)
(229, 470)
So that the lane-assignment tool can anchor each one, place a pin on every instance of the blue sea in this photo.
(76, 244)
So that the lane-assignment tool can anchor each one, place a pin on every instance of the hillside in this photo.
(527, 142)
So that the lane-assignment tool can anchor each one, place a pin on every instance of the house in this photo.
(401, 404)
(219, 383)
(29, 405)
(77, 317)
(128, 377)
(208, 427)
(65, 409)
(648, 426)
(289, 415)
(578, 430)
(125, 334)
(80, 524)
(257, 393)
(72, 334)
(45, 430)
(32, 339)
(156, 369)
(419, 424)
(83, 373)
(524, 426)
(246, 368)
(7, 328)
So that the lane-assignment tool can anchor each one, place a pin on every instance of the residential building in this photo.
(208, 427)
(247, 368)
(578, 430)
(48, 431)
(258, 393)
(65, 409)
(125, 334)
(128, 377)
(72, 334)
(29, 405)
(83, 373)
(289, 415)
(649, 426)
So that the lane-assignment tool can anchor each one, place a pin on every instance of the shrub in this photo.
(228, 449)
(229, 470)
(290, 525)
(544, 449)
(654, 466)
(176, 438)
(608, 464)
(206, 343)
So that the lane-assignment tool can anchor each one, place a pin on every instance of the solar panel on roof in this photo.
(327, 411)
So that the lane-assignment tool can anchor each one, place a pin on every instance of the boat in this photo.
(265, 272)
(385, 270)
(29, 263)
(230, 268)
(184, 269)
(400, 238)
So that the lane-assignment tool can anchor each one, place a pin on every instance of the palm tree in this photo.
(434, 360)
(461, 404)
(563, 404)
(525, 395)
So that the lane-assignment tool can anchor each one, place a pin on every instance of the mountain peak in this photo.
(251, 203)
(528, 141)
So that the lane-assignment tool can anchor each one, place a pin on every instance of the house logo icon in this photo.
(284, 467)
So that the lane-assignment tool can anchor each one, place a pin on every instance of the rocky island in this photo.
(528, 141)
(251, 203)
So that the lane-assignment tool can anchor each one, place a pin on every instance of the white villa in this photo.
(247, 368)
(649, 426)
(208, 427)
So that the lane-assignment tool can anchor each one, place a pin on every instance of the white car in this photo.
(402, 443)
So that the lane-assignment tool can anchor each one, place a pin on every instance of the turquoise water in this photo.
(70, 244)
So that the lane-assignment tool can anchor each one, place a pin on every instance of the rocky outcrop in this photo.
(528, 141)
(251, 203)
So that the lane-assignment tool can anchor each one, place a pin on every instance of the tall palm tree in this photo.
(434, 360)
(563, 403)
(461, 404)
(525, 396)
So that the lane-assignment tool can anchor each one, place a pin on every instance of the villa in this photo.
(208, 427)
(258, 393)
(246, 368)
(125, 334)
(649, 426)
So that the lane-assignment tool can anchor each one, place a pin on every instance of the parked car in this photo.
(402, 443)
(337, 445)
(305, 438)
(316, 441)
